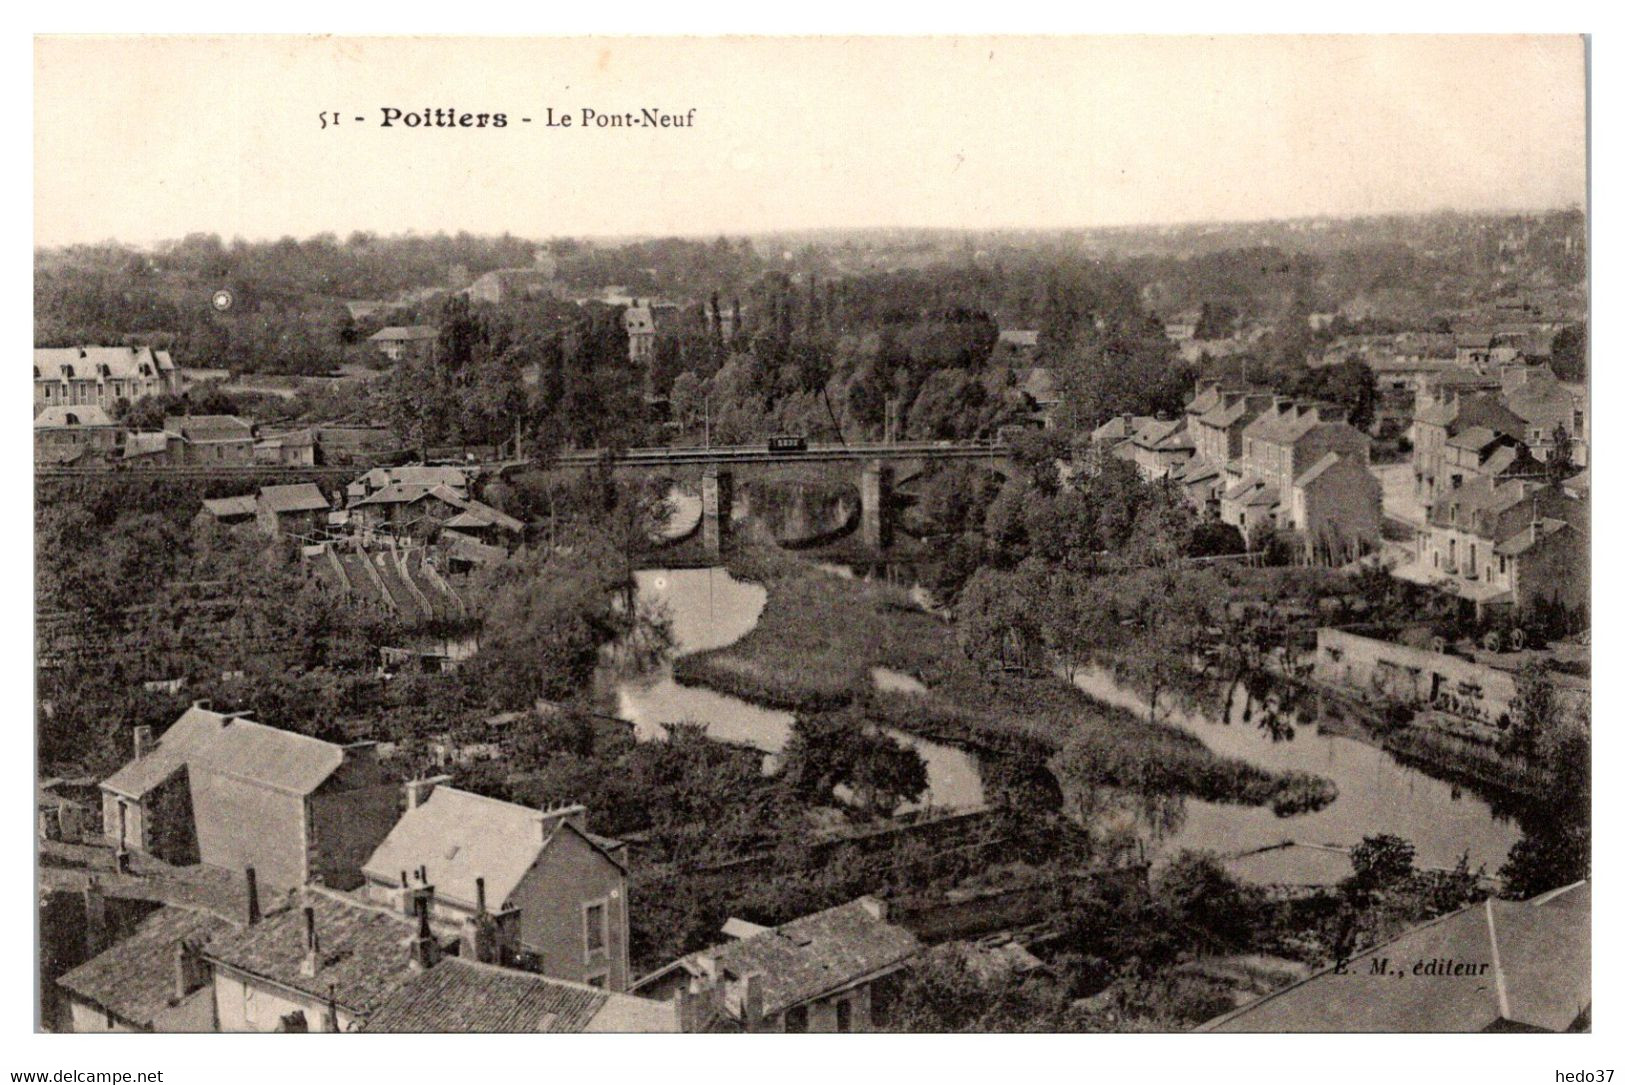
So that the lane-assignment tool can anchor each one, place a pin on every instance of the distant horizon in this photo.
(633, 238)
(270, 137)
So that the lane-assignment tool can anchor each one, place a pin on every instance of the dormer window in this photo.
(105, 370)
(67, 371)
(36, 372)
(73, 419)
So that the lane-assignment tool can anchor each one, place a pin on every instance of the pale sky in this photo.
(142, 139)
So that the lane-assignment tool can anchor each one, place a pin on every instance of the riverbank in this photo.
(819, 637)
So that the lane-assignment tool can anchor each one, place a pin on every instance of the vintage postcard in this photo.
(812, 535)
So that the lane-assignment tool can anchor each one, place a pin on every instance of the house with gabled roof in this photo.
(323, 963)
(565, 887)
(147, 804)
(825, 972)
(153, 980)
(299, 508)
(1496, 966)
(1508, 543)
(223, 790)
(295, 808)
(84, 434)
(410, 341)
(210, 439)
(101, 376)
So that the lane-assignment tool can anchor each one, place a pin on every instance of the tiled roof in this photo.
(1320, 467)
(1040, 384)
(297, 497)
(1530, 967)
(816, 954)
(135, 978)
(477, 514)
(465, 996)
(1205, 400)
(83, 414)
(284, 760)
(365, 952)
(196, 729)
(461, 836)
(210, 427)
(1529, 538)
(224, 507)
(1473, 438)
(123, 363)
(416, 475)
(406, 493)
(411, 333)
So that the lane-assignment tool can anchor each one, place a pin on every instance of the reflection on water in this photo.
(710, 609)
(1376, 793)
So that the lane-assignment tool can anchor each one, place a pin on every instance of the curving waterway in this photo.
(709, 609)
(1376, 793)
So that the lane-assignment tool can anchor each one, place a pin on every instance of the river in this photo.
(711, 609)
(1375, 793)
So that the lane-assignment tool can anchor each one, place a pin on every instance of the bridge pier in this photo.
(717, 498)
(874, 497)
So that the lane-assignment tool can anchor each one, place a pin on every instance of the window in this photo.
(597, 932)
(249, 1011)
(843, 1015)
(601, 980)
(795, 1019)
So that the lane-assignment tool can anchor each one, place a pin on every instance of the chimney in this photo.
(143, 741)
(95, 917)
(190, 972)
(547, 821)
(479, 896)
(750, 1002)
(418, 791)
(312, 962)
(425, 950)
(205, 704)
(876, 907)
(253, 896)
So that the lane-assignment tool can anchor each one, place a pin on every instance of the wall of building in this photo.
(349, 816)
(1413, 675)
(242, 824)
(86, 1018)
(242, 1004)
(553, 896)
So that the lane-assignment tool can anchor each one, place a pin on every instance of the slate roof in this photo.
(135, 978)
(407, 493)
(461, 836)
(188, 736)
(1205, 400)
(457, 995)
(82, 414)
(365, 951)
(282, 760)
(297, 497)
(123, 363)
(816, 954)
(1532, 964)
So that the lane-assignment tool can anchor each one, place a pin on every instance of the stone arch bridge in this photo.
(876, 468)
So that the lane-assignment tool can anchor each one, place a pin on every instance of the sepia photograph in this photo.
(915, 535)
